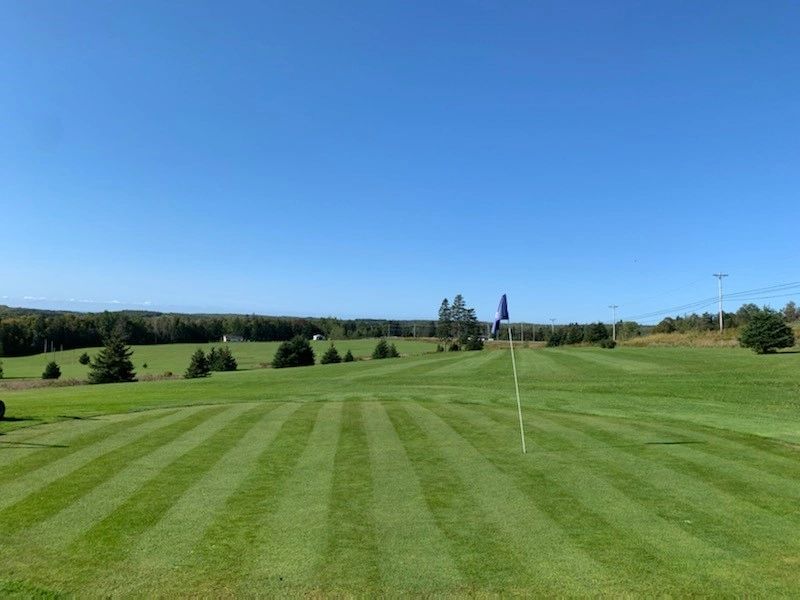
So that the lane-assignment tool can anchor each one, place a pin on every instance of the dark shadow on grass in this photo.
(609, 446)
(76, 418)
(673, 443)
(12, 445)
(16, 419)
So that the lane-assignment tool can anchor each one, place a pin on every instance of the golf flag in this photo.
(502, 313)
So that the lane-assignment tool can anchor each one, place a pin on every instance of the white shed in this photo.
(232, 338)
(318, 337)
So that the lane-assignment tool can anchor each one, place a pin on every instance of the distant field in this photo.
(650, 472)
(175, 357)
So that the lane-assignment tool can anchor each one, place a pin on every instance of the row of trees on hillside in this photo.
(710, 321)
(23, 333)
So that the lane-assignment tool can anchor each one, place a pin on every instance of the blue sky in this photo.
(370, 158)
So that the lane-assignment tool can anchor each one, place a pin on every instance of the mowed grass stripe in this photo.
(29, 483)
(413, 551)
(395, 366)
(625, 535)
(777, 494)
(114, 536)
(169, 546)
(528, 530)
(67, 437)
(469, 531)
(722, 518)
(473, 360)
(68, 503)
(350, 560)
(127, 472)
(289, 545)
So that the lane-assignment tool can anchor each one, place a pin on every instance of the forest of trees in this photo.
(25, 331)
(710, 321)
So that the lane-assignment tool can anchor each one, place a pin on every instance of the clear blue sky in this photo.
(371, 158)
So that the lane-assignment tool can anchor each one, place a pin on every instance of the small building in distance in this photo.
(318, 337)
(228, 337)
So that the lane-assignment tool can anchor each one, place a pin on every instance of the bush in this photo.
(596, 332)
(439, 348)
(331, 356)
(198, 366)
(348, 357)
(297, 352)
(454, 347)
(381, 350)
(51, 371)
(607, 343)
(556, 339)
(1, 369)
(393, 353)
(84, 358)
(144, 365)
(766, 331)
(222, 359)
(113, 363)
(474, 343)
(2, 410)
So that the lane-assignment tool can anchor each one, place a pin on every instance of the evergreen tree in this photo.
(113, 363)
(297, 352)
(225, 360)
(393, 353)
(198, 366)
(766, 332)
(214, 362)
(381, 350)
(596, 332)
(458, 313)
(331, 356)
(51, 371)
(348, 356)
(444, 328)
(84, 358)
(1, 369)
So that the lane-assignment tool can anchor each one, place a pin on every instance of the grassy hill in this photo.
(655, 471)
(175, 357)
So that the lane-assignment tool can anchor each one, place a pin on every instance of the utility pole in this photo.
(552, 325)
(719, 277)
(613, 308)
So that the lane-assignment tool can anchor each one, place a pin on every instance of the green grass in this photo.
(175, 357)
(650, 472)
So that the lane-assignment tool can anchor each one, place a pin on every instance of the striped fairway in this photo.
(408, 481)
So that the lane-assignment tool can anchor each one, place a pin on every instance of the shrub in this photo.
(381, 350)
(454, 347)
(222, 359)
(474, 343)
(331, 356)
(393, 353)
(113, 363)
(1, 369)
(167, 374)
(596, 332)
(348, 357)
(297, 352)
(2, 410)
(766, 331)
(84, 358)
(144, 365)
(607, 343)
(51, 371)
(439, 348)
(198, 366)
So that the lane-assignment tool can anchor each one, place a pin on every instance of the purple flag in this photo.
(502, 313)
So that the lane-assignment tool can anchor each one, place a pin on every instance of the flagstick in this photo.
(516, 385)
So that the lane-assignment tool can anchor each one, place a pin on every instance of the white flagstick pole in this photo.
(516, 385)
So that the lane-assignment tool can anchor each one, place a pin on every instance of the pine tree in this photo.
(51, 371)
(198, 367)
(214, 362)
(458, 313)
(348, 356)
(226, 360)
(331, 356)
(393, 353)
(297, 352)
(766, 332)
(444, 328)
(84, 359)
(381, 350)
(113, 363)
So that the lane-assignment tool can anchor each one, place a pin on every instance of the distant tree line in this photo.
(710, 321)
(24, 331)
